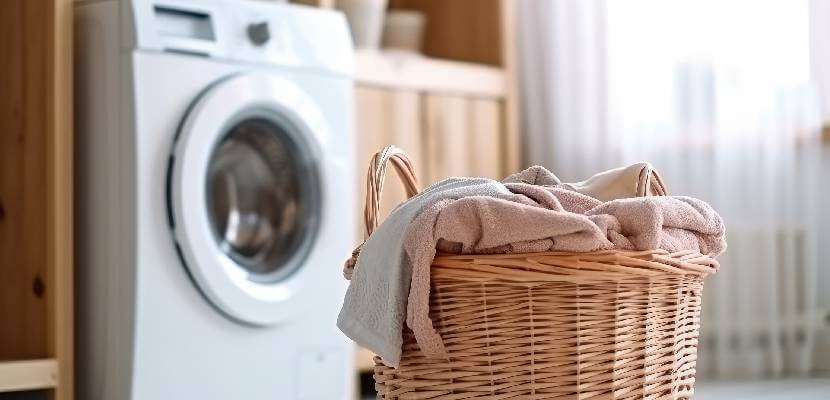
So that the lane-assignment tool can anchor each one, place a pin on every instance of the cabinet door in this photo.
(463, 137)
(24, 139)
(447, 139)
(36, 177)
(486, 138)
(445, 136)
(387, 117)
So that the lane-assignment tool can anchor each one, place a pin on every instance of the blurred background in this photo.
(728, 99)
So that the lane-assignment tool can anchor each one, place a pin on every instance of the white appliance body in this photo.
(163, 311)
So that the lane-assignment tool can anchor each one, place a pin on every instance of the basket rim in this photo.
(616, 265)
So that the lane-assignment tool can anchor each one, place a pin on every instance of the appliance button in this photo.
(258, 33)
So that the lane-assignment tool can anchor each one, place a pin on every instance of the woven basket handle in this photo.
(650, 183)
(375, 178)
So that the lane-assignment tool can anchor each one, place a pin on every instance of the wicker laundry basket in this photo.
(601, 325)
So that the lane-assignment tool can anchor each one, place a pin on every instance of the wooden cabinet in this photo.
(462, 137)
(462, 30)
(444, 135)
(387, 117)
(487, 128)
(453, 110)
(36, 339)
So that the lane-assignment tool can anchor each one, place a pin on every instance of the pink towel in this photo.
(551, 219)
(531, 211)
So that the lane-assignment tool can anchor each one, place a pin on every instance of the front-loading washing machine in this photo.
(214, 199)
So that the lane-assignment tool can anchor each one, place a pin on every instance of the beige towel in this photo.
(635, 180)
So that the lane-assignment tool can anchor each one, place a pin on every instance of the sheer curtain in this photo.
(719, 96)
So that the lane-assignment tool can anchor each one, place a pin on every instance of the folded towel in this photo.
(391, 280)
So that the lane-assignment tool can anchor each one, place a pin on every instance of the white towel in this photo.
(374, 309)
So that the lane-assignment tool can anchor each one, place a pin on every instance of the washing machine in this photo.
(214, 200)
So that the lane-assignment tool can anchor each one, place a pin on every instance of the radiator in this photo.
(760, 316)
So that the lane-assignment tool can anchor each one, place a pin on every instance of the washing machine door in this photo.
(245, 198)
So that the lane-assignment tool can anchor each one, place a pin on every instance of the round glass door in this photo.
(245, 197)
(262, 198)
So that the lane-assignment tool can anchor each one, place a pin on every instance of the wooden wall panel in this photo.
(24, 132)
(511, 103)
(447, 136)
(486, 144)
(464, 137)
(369, 132)
(387, 117)
(36, 261)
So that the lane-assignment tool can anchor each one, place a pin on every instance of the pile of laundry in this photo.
(532, 211)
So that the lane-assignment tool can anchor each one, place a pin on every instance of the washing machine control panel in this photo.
(245, 30)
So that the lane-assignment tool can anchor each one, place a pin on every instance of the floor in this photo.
(794, 389)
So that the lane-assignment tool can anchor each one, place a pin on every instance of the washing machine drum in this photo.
(262, 197)
(245, 198)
